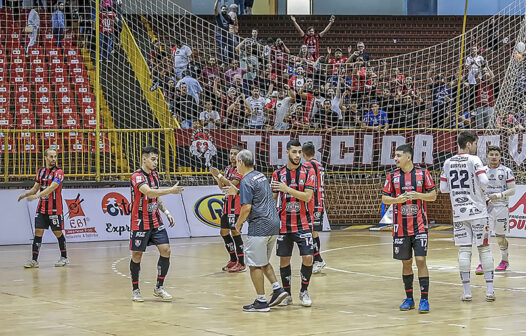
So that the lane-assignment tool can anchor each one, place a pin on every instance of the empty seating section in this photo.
(47, 88)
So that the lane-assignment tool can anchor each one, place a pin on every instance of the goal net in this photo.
(196, 86)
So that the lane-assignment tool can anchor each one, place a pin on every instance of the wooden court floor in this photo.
(357, 294)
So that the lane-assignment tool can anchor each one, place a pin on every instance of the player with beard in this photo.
(231, 210)
(48, 189)
(293, 187)
(317, 202)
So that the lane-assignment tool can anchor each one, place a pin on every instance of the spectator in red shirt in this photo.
(311, 38)
(108, 19)
(337, 60)
(234, 69)
(209, 74)
(484, 99)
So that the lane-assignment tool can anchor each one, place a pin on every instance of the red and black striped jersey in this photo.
(409, 218)
(232, 204)
(319, 193)
(52, 203)
(144, 213)
(295, 214)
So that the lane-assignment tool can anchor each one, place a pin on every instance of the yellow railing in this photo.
(22, 152)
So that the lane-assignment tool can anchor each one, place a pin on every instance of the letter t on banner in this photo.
(251, 141)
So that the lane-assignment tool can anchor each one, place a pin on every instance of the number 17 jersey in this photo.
(467, 197)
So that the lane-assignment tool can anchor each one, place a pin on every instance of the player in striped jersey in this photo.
(317, 202)
(465, 179)
(293, 187)
(48, 189)
(409, 188)
(147, 227)
(231, 210)
(501, 187)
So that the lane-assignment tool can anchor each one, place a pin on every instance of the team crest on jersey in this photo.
(501, 177)
(396, 250)
(419, 183)
(138, 178)
(396, 180)
(302, 182)
(138, 242)
(203, 146)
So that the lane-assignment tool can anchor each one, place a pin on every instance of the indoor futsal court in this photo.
(358, 293)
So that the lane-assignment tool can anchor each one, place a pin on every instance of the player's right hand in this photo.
(176, 189)
(214, 171)
(21, 197)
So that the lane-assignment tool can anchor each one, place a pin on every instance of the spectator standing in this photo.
(181, 54)
(224, 38)
(311, 38)
(194, 88)
(240, 6)
(235, 69)
(185, 107)
(326, 119)
(375, 119)
(108, 18)
(484, 99)
(256, 120)
(360, 55)
(474, 65)
(33, 24)
(59, 24)
(209, 118)
(233, 28)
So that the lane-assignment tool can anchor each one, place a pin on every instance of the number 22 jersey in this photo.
(460, 174)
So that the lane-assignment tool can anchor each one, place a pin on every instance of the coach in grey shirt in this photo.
(259, 209)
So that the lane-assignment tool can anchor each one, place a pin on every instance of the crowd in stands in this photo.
(259, 83)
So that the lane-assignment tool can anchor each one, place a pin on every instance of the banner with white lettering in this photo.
(337, 150)
(517, 205)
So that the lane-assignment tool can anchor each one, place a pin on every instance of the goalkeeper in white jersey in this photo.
(501, 187)
(465, 179)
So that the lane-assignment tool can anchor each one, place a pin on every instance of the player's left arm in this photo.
(161, 206)
(243, 215)
(57, 180)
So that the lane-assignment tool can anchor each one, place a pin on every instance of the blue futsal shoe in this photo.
(424, 306)
(408, 304)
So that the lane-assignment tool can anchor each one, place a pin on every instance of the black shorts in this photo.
(229, 221)
(403, 246)
(54, 222)
(286, 241)
(317, 223)
(139, 240)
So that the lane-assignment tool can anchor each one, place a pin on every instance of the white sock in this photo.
(261, 298)
(504, 251)
(465, 282)
(276, 285)
(489, 282)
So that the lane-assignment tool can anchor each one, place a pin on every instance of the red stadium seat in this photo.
(37, 60)
(55, 60)
(71, 52)
(36, 51)
(28, 144)
(90, 121)
(5, 98)
(44, 98)
(54, 52)
(22, 98)
(53, 142)
(39, 70)
(18, 70)
(87, 111)
(77, 70)
(71, 121)
(24, 109)
(86, 99)
(5, 88)
(81, 88)
(76, 59)
(48, 121)
(10, 145)
(40, 80)
(16, 52)
(78, 144)
(44, 110)
(104, 143)
(25, 122)
(65, 110)
(6, 121)
(59, 79)
(65, 98)
(80, 80)
(24, 87)
(3, 60)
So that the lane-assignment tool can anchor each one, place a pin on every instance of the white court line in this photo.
(398, 278)
(498, 329)
(457, 325)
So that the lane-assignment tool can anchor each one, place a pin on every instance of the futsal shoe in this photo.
(31, 264)
(318, 266)
(490, 297)
(62, 262)
(479, 270)
(286, 301)
(278, 296)
(136, 296)
(408, 304)
(228, 266)
(305, 299)
(423, 308)
(503, 266)
(257, 306)
(237, 268)
(162, 293)
(466, 297)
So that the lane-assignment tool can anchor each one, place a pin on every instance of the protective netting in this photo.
(165, 68)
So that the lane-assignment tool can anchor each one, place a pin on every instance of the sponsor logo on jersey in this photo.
(208, 209)
(114, 204)
(292, 206)
(409, 209)
(461, 199)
